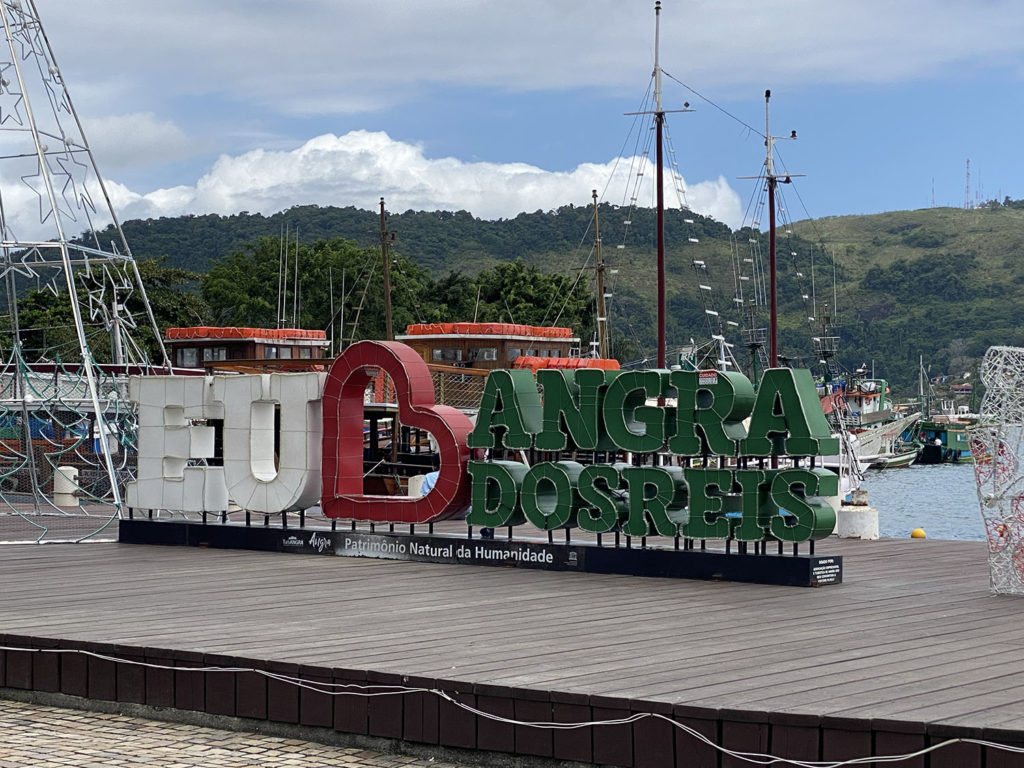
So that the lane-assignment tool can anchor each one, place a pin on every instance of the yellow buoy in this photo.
(918, 533)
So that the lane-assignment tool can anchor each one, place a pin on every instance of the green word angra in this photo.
(683, 413)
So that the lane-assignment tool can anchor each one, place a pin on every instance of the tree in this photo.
(243, 289)
(173, 297)
(516, 293)
(47, 325)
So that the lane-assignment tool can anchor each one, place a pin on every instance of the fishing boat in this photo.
(941, 434)
(943, 438)
(861, 405)
(878, 427)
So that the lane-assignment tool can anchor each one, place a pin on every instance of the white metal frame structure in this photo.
(66, 427)
(996, 443)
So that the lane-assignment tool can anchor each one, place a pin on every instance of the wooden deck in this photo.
(912, 635)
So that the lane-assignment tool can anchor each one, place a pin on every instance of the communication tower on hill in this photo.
(73, 299)
(967, 186)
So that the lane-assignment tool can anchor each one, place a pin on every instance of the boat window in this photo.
(483, 353)
(447, 355)
(513, 353)
(215, 353)
(531, 353)
(269, 353)
(188, 357)
(304, 352)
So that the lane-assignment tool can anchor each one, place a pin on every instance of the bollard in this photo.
(65, 484)
(857, 522)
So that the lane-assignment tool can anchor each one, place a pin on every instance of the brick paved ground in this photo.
(48, 737)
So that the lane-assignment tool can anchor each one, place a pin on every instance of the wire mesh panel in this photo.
(460, 388)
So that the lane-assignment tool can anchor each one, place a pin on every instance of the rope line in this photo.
(354, 689)
(723, 110)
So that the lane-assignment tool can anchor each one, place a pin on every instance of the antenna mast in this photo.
(967, 185)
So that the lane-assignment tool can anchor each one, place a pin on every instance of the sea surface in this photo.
(940, 498)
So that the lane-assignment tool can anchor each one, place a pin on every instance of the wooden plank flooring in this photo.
(912, 634)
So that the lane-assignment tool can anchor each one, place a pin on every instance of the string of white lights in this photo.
(355, 689)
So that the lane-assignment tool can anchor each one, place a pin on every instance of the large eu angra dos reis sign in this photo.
(697, 444)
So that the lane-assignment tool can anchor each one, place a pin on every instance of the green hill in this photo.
(940, 284)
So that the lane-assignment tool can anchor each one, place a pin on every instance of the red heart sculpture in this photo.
(342, 460)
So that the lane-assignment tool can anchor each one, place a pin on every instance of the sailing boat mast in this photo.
(388, 326)
(602, 313)
(773, 180)
(659, 126)
(659, 122)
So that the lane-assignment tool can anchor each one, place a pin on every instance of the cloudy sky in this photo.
(496, 107)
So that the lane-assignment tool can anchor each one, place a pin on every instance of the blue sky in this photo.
(494, 107)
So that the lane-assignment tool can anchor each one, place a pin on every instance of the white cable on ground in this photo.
(353, 689)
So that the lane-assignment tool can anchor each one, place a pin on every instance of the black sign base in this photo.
(783, 570)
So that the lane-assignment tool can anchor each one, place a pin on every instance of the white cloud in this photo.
(360, 167)
(238, 75)
(135, 140)
(323, 56)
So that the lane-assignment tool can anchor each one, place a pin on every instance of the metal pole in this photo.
(388, 327)
(281, 276)
(773, 319)
(295, 292)
(659, 120)
(602, 314)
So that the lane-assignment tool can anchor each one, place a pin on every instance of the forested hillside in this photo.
(940, 284)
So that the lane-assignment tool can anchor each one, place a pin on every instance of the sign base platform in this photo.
(802, 570)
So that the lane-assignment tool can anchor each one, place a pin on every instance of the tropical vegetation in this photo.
(938, 284)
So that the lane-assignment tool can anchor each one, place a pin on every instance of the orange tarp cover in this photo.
(210, 332)
(535, 363)
(483, 329)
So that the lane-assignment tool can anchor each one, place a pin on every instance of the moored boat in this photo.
(499, 345)
(903, 457)
(943, 440)
(942, 436)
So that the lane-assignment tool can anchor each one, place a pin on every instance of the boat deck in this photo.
(912, 636)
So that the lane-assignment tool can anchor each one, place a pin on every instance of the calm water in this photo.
(941, 498)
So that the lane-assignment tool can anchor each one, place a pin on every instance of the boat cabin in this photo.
(488, 345)
(207, 347)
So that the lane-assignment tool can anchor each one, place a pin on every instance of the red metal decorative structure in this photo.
(342, 458)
